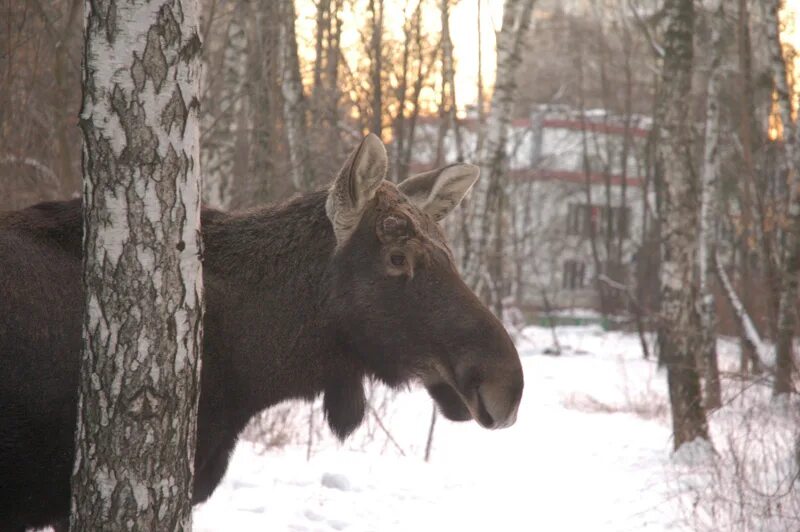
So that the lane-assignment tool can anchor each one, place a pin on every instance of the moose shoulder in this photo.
(310, 297)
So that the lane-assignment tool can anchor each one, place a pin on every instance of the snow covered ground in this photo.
(589, 452)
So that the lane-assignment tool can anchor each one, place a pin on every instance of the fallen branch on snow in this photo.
(751, 335)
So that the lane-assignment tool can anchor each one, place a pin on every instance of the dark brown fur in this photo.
(288, 316)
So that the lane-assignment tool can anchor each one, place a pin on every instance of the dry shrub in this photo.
(749, 481)
(646, 405)
(302, 423)
(277, 426)
(640, 398)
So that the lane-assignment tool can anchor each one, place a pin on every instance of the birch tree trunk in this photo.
(323, 26)
(260, 119)
(748, 134)
(680, 334)
(399, 122)
(332, 61)
(222, 128)
(376, 65)
(447, 106)
(425, 63)
(587, 174)
(479, 80)
(787, 302)
(294, 103)
(484, 260)
(142, 321)
(749, 333)
(709, 212)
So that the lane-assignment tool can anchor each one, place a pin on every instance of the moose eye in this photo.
(398, 259)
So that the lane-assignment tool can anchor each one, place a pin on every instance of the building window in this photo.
(583, 219)
(574, 274)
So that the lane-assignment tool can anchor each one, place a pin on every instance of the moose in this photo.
(310, 297)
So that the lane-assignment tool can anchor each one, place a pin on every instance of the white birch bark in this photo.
(680, 328)
(479, 80)
(142, 278)
(294, 104)
(787, 302)
(486, 205)
(448, 105)
(709, 212)
(376, 10)
(749, 330)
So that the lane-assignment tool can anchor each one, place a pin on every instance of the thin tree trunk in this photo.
(481, 98)
(333, 57)
(548, 309)
(376, 67)
(787, 303)
(310, 441)
(485, 224)
(258, 123)
(680, 328)
(447, 106)
(623, 227)
(221, 132)
(142, 325)
(423, 68)
(587, 173)
(429, 441)
(747, 135)
(294, 104)
(60, 97)
(709, 212)
(323, 27)
(399, 126)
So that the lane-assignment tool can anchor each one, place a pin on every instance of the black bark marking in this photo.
(191, 49)
(169, 28)
(111, 21)
(141, 143)
(175, 111)
(155, 63)
(138, 74)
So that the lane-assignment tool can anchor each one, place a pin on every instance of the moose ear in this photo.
(439, 191)
(355, 186)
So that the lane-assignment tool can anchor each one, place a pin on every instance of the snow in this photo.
(589, 451)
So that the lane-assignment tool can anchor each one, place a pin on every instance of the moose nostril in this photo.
(497, 404)
(485, 417)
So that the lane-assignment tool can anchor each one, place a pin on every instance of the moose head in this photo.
(398, 302)
(302, 298)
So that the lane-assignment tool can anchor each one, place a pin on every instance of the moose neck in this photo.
(265, 281)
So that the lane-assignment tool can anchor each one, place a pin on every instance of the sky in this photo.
(464, 34)
(463, 30)
(791, 34)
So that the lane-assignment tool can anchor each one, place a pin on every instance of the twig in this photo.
(657, 49)
(310, 443)
(429, 443)
(385, 430)
(637, 310)
(33, 163)
(548, 309)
